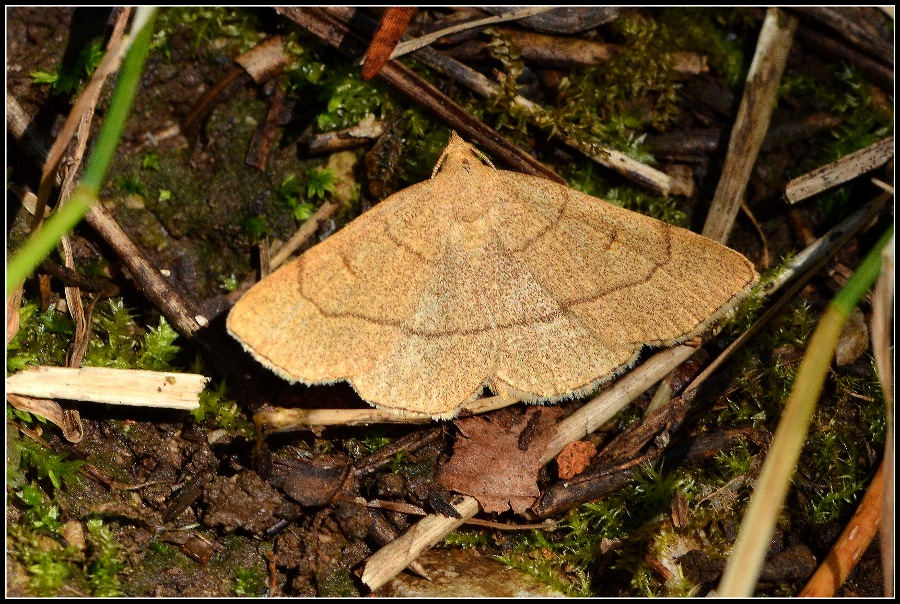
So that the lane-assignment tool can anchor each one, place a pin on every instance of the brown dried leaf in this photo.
(498, 457)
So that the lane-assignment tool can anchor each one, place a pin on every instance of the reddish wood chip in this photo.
(572, 460)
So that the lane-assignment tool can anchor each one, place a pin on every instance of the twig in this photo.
(182, 313)
(414, 510)
(840, 171)
(752, 121)
(265, 60)
(306, 230)
(355, 136)
(846, 23)
(764, 259)
(85, 103)
(134, 387)
(282, 419)
(565, 52)
(384, 564)
(826, 246)
(422, 41)
(383, 456)
(383, 532)
(883, 185)
(604, 407)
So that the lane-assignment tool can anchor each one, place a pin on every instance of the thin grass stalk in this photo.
(770, 491)
(47, 237)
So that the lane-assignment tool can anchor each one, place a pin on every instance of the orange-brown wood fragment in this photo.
(390, 30)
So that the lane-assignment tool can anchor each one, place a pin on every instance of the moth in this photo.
(483, 278)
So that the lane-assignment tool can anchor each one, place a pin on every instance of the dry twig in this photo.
(840, 171)
(135, 387)
(752, 121)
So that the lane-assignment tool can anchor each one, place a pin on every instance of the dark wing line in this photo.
(548, 317)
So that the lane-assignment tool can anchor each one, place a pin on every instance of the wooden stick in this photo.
(417, 43)
(265, 60)
(850, 24)
(568, 52)
(306, 230)
(184, 316)
(604, 407)
(114, 386)
(282, 419)
(840, 171)
(752, 121)
(384, 564)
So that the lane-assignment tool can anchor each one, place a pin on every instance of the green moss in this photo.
(720, 35)
(162, 555)
(240, 28)
(45, 464)
(119, 342)
(67, 79)
(302, 200)
(423, 146)
(116, 339)
(614, 103)
(320, 181)
(250, 582)
(36, 541)
(43, 338)
(104, 564)
(218, 409)
(848, 426)
(346, 97)
(338, 584)
(564, 558)
(502, 111)
(466, 539)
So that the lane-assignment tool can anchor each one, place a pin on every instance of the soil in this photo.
(198, 509)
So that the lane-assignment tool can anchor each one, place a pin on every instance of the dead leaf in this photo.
(488, 464)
